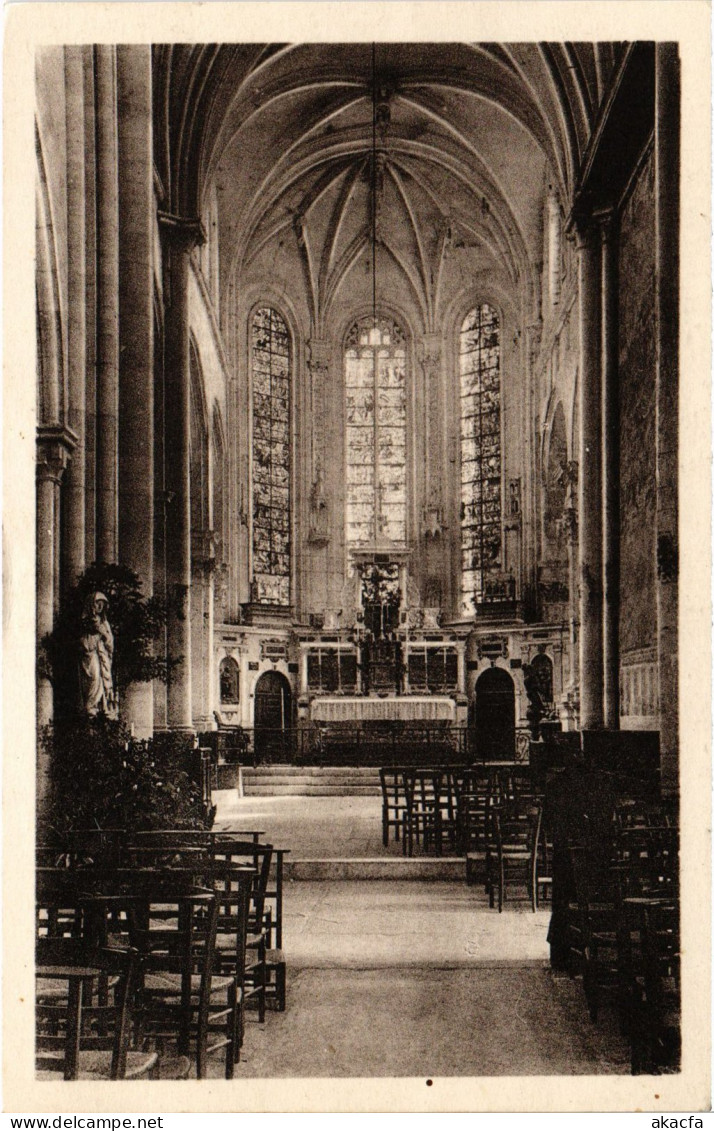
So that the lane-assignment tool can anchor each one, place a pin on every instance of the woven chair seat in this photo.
(173, 1068)
(171, 984)
(96, 1065)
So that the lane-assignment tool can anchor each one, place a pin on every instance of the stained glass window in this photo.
(375, 383)
(480, 378)
(270, 352)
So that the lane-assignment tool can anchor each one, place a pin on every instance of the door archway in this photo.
(494, 716)
(272, 717)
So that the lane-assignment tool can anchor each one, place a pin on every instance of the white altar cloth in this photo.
(407, 708)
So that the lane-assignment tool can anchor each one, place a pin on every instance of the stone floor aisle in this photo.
(312, 827)
(397, 978)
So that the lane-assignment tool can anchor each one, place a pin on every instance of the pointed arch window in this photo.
(375, 391)
(480, 388)
(271, 373)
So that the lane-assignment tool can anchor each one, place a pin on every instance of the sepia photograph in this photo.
(357, 560)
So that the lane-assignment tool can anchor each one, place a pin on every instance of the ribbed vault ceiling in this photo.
(468, 138)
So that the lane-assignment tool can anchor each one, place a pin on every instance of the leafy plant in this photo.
(102, 778)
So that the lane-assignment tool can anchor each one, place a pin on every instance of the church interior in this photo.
(363, 358)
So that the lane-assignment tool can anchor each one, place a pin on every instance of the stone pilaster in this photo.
(54, 447)
(136, 338)
(571, 699)
(74, 523)
(180, 236)
(610, 476)
(107, 303)
(203, 564)
(319, 353)
(590, 478)
(666, 153)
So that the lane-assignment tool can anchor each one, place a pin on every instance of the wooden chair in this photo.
(393, 801)
(83, 847)
(264, 977)
(653, 1017)
(421, 822)
(196, 838)
(258, 857)
(160, 913)
(180, 995)
(541, 859)
(472, 808)
(275, 971)
(82, 1029)
(452, 781)
(598, 926)
(510, 858)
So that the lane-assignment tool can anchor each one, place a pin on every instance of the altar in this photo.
(393, 708)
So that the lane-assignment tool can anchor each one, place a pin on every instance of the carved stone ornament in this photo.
(319, 519)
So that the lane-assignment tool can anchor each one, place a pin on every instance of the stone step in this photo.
(281, 770)
(307, 789)
(315, 783)
(310, 781)
(307, 779)
(377, 868)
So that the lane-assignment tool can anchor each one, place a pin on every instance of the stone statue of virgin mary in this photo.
(96, 653)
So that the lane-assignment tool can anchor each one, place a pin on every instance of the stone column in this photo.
(74, 524)
(571, 698)
(554, 247)
(319, 353)
(461, 666)
(246, 707)
(90, 304)
(54, 446)
(590, 479)
(136, 339)
(180, 237)
(666, 155)
(431, 472)
(303, 672)
(610, 477)
(203, 562)
(107, 302)
(319, 585)
(529, 537)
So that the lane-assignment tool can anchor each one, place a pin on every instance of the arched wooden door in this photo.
(494, 716)
(272, 717)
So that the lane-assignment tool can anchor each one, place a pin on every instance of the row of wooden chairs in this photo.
(114, 847)
(440, 808)
(623, 932)
(180, 995)
(267, 898)
(491, 814)
(517, 853)
(82, 1028)
(202, 913)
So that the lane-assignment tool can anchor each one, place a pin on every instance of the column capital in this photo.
(570, 523)
(203, 549)
(585, 233)
(605, 219)
(55, 444)
(319, 354)
(430, 352)
(183, 232)
(534, 334)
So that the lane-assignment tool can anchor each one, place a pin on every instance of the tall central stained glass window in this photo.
(480, 379)
(270, 356)
(375, 390)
